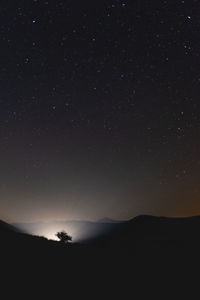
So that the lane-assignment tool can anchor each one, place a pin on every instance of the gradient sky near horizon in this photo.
(99, 109)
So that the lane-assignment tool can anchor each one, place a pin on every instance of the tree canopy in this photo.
(63, 237)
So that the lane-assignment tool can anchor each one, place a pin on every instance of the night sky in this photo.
(99, 109)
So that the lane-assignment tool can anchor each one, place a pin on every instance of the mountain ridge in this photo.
(141, 226)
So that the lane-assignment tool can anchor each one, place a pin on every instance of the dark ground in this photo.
(145, 254)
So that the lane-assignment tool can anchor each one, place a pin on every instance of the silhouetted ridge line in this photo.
(7, 227)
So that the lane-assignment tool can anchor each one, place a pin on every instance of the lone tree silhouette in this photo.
(63, 237)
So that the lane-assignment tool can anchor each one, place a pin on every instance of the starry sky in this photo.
(99, 109)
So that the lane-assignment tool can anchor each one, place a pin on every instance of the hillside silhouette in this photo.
(155, 230)
(141, 234)
(145, 249)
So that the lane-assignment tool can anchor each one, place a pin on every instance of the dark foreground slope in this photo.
(18, 247)
(146, 250)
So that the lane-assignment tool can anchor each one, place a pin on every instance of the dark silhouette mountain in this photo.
(143, 236)
(149, 232)
(163, 228)
(146, 248)
(143, 228)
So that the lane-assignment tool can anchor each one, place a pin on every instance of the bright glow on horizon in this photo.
(51, 236)
(78, 230)
(49, 230)
(50, 233)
